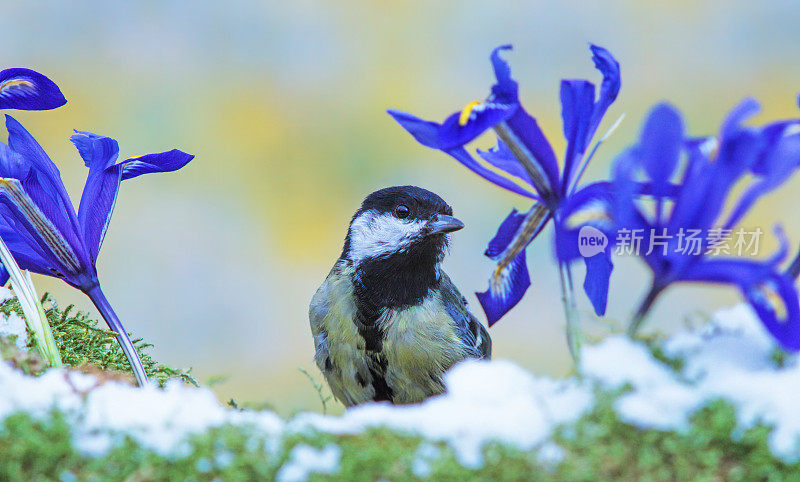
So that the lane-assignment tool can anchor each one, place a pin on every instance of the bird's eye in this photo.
(402, 211)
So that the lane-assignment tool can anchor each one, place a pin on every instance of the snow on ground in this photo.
(305, 460)
(103, 414)
(13, 325)
(486, 401)
(426, 454)
(730, 358)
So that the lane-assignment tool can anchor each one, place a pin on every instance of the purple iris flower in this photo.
(524, 162)
(40, 226)
(25, 89)
(691, 184)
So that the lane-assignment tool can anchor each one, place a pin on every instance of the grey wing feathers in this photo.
(338, 347)
(483, 342)
(316, 316)
(470, 330)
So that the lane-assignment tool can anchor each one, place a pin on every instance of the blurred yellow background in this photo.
(283, 103)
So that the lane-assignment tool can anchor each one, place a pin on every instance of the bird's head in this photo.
(402, 221)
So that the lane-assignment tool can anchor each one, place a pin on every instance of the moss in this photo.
(29, 362)
(598, 447)
(41, 450)
(780, 357)
(83, 343)
(655, 343)
(37, 450)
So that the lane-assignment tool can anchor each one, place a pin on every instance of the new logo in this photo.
(591, 241)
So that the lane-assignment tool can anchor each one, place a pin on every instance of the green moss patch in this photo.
(84, 344)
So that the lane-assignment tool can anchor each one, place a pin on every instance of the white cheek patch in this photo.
(373, 235)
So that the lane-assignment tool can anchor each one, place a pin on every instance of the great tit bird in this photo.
(388, 322)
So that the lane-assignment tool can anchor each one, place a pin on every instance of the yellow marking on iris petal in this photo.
(15, 83)
(775, 301)
(467, 111)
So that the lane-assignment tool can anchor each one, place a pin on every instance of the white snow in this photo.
(729, 358)
(305, 460)
(485, 401)
(103, 414)
(13, 325)
(426, 454)
(5, 294)
(657, 400)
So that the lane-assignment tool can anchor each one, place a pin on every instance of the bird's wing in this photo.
(317, 311)
(339, 351)
(469, 329)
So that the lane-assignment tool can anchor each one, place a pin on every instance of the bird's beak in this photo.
(442, 224)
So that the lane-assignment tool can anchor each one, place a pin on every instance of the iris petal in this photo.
(24, 255)
(739, 150)
(660, 145)
(503, 294)
(744, 110)
(595, 198)
(97, 204)
(598, 274)
(12, 165)
(100, 191)
(97, 152)
(425, 132)
(510, 279)
(609, 89)
(102, 184)
(778, 165)
(26, 214)
(151, 163)
(582, 114)
(505, 90)
(464, 157)
(507, 289)
(521, 133)
(502, 158)
(483, 116)
(782, 321)
(577, 105)
(505, 234)
(42, 182)
(516, 233)
(533, 151)
(25, 89)
(763, 287)
(772, 134)
(587, 207)
(23, 143)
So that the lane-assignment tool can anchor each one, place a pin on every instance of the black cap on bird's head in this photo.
(400, 220)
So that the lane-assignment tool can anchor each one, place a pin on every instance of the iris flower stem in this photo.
(35, 317)
(47, 343)
(644, 309)
(104, 307)
(571, 313)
